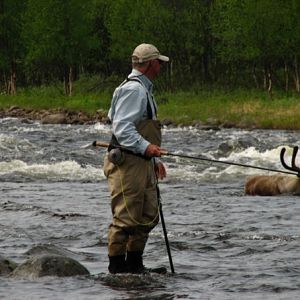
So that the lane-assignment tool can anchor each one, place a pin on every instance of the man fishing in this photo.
(133, 173)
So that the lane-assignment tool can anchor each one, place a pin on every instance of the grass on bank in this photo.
(50, 98)
(238, 108)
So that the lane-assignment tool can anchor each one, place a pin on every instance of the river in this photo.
(224, 245)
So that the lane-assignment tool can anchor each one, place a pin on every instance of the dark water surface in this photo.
(225, 245)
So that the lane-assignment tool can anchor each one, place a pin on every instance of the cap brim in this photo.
(163, 58)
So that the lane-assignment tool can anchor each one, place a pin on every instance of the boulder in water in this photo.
(49, 265)
(50, 249)
(6, 265)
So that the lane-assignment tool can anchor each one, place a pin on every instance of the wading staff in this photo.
(167, 153)
(163, 224)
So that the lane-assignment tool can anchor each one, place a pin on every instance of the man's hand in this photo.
(152, 150)
(160, 169)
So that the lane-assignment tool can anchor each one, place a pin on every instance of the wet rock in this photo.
(49, 249)
(238, 145)
(58, 118)
(246, 123)
(196, 123)
(132, 281)
(101, 112)
(106, 120)
(228, 124)
(212, 121)
(6, 265)
(166, 122)
(208, 127)
(49, 265)
(12, 108)
(83, 118)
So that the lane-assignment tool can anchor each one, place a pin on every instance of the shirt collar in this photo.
(145, 80)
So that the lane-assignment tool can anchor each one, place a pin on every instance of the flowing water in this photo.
(224, 245)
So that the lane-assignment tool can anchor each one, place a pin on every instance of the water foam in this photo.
(65, 170)
(188, 169)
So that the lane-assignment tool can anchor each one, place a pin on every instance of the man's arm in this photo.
(129, 111)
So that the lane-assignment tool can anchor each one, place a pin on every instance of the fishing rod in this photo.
(168, 153)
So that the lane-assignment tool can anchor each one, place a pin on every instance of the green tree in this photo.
(291, 43)
(98, 56)
(11, 49)
(257, 36)
(179, 28)
(58, 38)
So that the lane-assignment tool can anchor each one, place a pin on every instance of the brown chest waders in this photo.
(134, 201)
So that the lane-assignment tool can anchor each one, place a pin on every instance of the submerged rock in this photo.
(130, 281)
(50, 249)
(49, 265)
(6, 265)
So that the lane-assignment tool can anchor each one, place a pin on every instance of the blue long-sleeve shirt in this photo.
(128, 108)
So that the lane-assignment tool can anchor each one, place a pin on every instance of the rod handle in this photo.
(106, 145)
(100, 144)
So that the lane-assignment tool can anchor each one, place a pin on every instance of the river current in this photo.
(224, 245)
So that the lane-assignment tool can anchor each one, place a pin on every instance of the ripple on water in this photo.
(224, 245)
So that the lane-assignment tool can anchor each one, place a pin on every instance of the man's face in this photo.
(155, 67)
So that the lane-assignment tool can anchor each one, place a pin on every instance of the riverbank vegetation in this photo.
(233, 62)
(242, 108)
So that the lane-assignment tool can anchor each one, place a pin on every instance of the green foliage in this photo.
(10, 27)
(240, 108)
(261, 34)
(231, 42)
(57, 34)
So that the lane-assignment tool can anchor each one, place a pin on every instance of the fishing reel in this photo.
(116, 156)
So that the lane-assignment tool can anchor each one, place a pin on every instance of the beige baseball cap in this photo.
(146, 52)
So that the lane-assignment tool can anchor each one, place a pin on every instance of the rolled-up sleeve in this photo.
(129, 109)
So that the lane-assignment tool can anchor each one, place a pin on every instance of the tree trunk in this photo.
(171, 75)
(296, 76)
(12, 82)
(68, 80)
(5, 82)
(270, 84)
(268, 80)
(265, 79)
(255, 77)
(286, 74)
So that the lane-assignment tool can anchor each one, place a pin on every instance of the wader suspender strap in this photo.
(114, 140)
(149, 109)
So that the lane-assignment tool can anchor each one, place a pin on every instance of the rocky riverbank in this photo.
(55, 116)
(64, 116)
